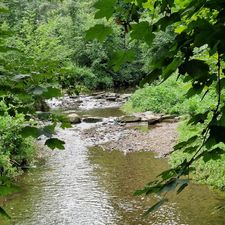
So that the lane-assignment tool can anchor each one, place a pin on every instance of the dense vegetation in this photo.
(168, 97)
(51, 47)
(44, 53)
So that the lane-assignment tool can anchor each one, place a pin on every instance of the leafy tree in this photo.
(197, 52)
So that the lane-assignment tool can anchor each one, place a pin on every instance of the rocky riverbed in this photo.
(159, 138)
(99, 121)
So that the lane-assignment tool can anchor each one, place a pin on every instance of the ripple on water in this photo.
(81, 186)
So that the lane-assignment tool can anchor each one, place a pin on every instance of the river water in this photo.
(88, 186)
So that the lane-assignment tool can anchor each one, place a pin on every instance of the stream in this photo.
(88, 186)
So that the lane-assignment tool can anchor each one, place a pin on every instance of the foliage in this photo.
(16, 152)
(209, 170)
(197, 26)
(168, 97)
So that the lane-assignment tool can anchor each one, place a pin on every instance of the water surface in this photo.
(81, 186)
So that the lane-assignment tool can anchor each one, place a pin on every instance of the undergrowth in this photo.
(167, 97)
(16, 152)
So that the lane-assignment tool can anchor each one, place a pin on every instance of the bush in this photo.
(168, 97)
(15, 151)
(82, 79)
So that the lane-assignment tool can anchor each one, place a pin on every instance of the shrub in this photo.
(168, 97)
(15, 151)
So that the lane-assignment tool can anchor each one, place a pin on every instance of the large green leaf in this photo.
(4, 213)
(105, 8)
(55, 143)
(197, 69)
(142, 31)
(52, 92)
(171, 68)
(99, 32)
(213, 154)
(30, 131)
(120, 57)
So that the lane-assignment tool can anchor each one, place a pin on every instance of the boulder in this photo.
(98, 93)
(111, 98)
(92, 119)
(148, 116)
(74, 118)
(74, 96)
(125, 96)
(129, 119)
(170, 119)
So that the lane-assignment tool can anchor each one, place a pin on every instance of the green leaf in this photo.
(152, 76)
(52, 92)
(49, 130)
(191, 149)
(165, 21)
(169, 186)
(120, 57)
(29, 131)
(218, 133)
(172, 67)
(54, 143)
(167, 174)
(105, 8)
(198, 118)
(38, 90)
(185, 143)
(44, 115)
(99, 32)
(4, 213)
(195, 68)
(156, 206)
(142, 31)
(20, 77)
(213, 154)
(182, 187)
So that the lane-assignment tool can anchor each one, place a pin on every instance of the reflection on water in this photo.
(104, 112)
(87, 187)
(122, 174)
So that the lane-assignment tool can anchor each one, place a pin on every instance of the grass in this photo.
(211, 172)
